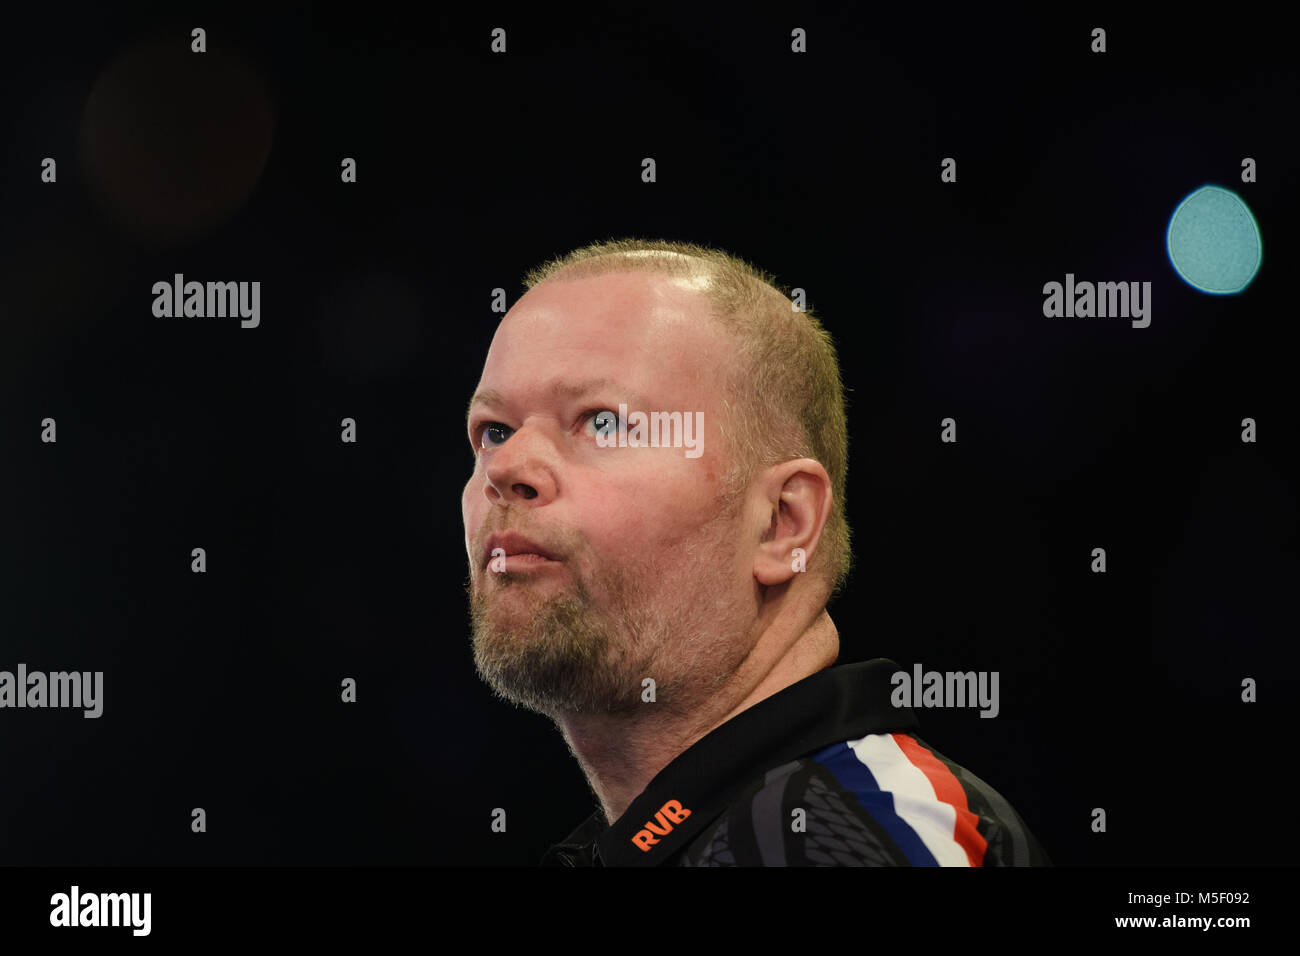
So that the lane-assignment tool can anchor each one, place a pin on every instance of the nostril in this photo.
(525, 491)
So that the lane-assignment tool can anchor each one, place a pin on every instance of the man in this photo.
(654, 525)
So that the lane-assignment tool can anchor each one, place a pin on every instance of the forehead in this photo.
(650, 332)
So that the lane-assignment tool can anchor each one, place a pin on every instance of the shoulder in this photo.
(880, 800)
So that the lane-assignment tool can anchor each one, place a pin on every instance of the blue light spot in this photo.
(1213, 241)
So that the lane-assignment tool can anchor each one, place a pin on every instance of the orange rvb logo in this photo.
(670, 813)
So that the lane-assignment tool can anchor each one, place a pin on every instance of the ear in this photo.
(799, 495)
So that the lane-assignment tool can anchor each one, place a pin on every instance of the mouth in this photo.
(510, 551)
(525, 561)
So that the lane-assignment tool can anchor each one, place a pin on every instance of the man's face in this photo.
(650, 577)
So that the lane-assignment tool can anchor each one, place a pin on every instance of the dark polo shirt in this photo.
(827, 772)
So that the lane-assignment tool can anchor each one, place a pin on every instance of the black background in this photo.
(327, 560)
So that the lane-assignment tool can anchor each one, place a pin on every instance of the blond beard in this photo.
(565, 654)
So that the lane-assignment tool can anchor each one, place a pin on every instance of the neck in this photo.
(621, 754)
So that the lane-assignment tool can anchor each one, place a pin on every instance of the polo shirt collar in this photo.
(839, 703)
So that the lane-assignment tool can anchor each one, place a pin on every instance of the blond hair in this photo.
(790, 397)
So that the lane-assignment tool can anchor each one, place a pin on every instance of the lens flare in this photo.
(1213, 241)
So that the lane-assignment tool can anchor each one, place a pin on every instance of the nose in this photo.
(522, 469)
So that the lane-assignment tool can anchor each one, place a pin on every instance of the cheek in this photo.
(662, 506)
(470, 507)
(617, 518)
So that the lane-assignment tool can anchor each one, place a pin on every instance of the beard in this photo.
(561, 650)
(561, 653)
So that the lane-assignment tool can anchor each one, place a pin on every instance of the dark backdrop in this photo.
(329, 560)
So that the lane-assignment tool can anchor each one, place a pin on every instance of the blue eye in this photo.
(495, 434)
(488, 429)
(605, 420)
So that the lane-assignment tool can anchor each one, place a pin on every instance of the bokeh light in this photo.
(1213, 241)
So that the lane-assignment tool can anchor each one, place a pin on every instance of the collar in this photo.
(839, 703)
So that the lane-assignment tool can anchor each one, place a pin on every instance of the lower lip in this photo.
(521, 562)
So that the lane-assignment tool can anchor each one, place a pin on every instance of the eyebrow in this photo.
(557, 391)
